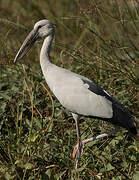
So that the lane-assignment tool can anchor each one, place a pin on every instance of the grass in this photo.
(37, 135)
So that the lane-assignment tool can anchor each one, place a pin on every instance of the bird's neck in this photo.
(45, 51)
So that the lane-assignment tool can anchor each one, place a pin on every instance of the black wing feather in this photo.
(121, 115)
(95, 88)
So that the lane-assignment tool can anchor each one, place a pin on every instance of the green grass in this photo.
(37, 135)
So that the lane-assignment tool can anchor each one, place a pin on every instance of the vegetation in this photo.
(98, 39)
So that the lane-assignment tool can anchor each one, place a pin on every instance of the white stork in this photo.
(81, 96)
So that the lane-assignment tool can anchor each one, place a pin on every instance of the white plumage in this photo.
(74, 95)
(78, 94)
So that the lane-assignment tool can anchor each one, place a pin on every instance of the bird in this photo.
(78, 94)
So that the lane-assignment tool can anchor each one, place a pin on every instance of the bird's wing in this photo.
(93, 87)
(73, 92)
(79, 94)
(99, 91)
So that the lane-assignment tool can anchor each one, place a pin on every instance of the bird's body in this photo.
(72, 89)
(78, 94)
(74, 92)
(69, 87)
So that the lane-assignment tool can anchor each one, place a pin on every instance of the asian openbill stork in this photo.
(81, 96)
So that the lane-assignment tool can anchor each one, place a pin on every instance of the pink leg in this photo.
(92, 139)
(79, 142)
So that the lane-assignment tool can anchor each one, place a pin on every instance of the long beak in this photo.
(27, 44)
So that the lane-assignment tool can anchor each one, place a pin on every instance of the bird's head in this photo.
(41, 29)
(44, 28)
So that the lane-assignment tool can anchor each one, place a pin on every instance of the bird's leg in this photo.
(79, 142)
(94, 138)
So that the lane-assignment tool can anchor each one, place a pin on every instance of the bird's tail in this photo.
(133, 130)
(124, 118)
(129, 125)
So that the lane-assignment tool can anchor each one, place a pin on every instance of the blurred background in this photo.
(94, 38)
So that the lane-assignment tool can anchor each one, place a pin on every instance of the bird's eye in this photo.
(39, 26)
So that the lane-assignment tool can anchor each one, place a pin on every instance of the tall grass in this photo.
(96, 39)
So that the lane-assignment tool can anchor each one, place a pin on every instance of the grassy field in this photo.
(97, 39)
